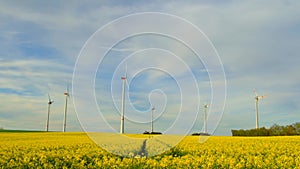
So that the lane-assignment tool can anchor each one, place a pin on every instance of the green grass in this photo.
(18, 131)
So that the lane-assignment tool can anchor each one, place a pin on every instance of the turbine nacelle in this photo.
(66, 93)
(49, 100)
(257, 97)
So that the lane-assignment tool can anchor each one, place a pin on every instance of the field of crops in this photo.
(76, 150)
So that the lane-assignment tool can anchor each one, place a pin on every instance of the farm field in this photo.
(76, 150)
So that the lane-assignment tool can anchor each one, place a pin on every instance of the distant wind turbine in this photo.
(66, 107)
(49, 104)
(257, 97)
(205, 118)
(152, 112)
(124, 80)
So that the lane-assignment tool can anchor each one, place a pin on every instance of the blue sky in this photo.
(258, 44)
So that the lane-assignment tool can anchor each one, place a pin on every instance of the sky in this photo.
(240, 45)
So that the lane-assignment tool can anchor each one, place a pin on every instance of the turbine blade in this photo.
(254, 90)
(49, 97)
(126, 70)
(126, 81)
(68, 90)
(66, 93)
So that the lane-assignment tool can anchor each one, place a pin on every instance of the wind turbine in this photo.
(257, 97)
(152, 111)
(124, 80)
(205, 118)
(49, 104)
(66, 107)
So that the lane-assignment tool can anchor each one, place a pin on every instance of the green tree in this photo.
(290, 130)
(276, 130)
(297, 127)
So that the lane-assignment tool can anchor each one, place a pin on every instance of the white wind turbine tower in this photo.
(49, 104)
(65, 110)
(152, 112)
(257, 97)
(124, 80)
(205, 118)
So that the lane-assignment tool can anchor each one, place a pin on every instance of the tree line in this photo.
(275, 130)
